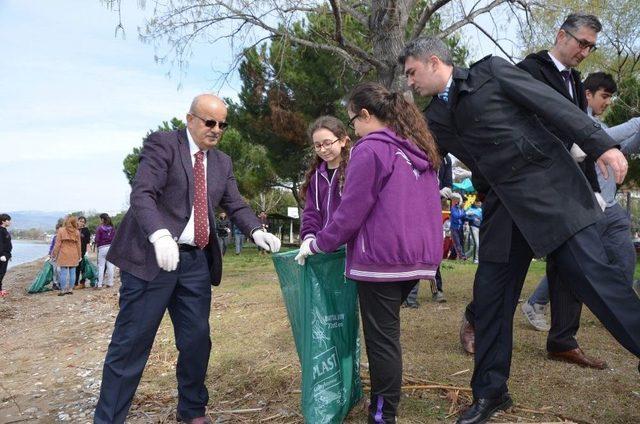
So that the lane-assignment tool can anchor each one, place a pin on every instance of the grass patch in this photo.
(254, 363)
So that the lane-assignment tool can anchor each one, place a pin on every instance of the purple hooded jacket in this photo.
(323, 198)
(389, 215)
(104, 235)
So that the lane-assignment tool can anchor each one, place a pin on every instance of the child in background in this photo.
(104, 236)
(324, 180)
(5, 249)
(390, 218)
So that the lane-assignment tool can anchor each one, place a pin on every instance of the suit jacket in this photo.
(162, 197)
(491, 124)
(542, 68)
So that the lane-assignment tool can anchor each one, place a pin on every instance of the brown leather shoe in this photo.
(577, 356)
(467, 336)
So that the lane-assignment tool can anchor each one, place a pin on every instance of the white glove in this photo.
(305, 250)
(167, 254)
(446, 192)
(3, 259)
(577, 153)
(267, 241)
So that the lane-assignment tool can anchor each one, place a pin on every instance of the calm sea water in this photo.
(27, 251)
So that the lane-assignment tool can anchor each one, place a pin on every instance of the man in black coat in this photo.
(538, 203)
(167, 250)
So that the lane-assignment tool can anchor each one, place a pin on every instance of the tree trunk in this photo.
(387, 24)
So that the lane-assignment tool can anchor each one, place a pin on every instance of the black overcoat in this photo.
(493, 123)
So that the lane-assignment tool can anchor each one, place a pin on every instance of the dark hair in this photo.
(422, 48)
(575, 21)
(600, 81)
(82, 218)
(4, 217)
(403, 117)
(106, 219)
(338, 129)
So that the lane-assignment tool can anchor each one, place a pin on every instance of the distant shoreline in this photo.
(29, 241)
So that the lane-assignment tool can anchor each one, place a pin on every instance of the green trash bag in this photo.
(44, 277)
(322, 306)
(89, 271)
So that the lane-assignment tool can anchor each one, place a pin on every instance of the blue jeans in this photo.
(67, 277)
(239, 239)
(457, 235)
(541, 293)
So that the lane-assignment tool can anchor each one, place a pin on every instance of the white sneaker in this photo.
(535, 315)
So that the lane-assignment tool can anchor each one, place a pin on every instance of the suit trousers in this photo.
(186, 293)
(380, 311)
(615, 231)
(583, 264)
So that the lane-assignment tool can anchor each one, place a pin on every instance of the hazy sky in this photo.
(75, 100)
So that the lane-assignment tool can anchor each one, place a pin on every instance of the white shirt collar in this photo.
(193, 147)
(446, 89)
(558, 64)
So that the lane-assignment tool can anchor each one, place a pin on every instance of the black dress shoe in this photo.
(481, 410)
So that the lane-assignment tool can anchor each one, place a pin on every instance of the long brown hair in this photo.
(338, 129)
(71, 223)
(403, 117)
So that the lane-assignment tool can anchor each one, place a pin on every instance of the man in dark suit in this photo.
(167, 250)
(538, 201)
(575, 40)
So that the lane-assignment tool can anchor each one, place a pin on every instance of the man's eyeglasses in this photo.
(350, 123)
(211, 123)
(584, 44)
(324, 143)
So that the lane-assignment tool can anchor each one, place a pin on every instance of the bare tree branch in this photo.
(427, 13)
(337, 16)
(494, 41)
(468, 18)
(351, 11)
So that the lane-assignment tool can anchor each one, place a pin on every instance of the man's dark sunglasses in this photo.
(584, 44)
(211, 123)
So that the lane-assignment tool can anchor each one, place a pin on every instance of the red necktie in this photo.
(201, 219)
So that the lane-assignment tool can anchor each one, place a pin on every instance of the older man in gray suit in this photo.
(167, 251)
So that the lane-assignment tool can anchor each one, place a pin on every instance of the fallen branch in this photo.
(12, 397)
(238, 411)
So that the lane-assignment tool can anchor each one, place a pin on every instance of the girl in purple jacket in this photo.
(324, 180)
(390, 218)
(104, 236)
